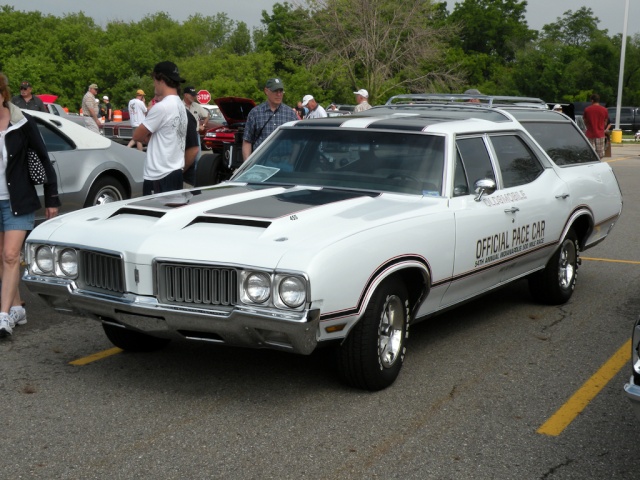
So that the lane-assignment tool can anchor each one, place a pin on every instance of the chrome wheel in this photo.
(105, 190)
(391, 331)
(567, 264)
(555, 284)
(107, 195)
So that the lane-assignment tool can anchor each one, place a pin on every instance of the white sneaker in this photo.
(5, 325)
(18, 316)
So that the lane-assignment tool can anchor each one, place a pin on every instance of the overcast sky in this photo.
(539, 12)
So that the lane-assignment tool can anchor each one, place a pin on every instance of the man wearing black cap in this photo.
(266, 117)
(27, 100)
(164, 129)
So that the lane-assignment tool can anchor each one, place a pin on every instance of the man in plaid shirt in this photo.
(266, 117)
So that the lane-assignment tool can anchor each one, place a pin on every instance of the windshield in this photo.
(356, 159)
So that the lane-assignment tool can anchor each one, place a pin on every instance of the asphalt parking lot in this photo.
(500, 388)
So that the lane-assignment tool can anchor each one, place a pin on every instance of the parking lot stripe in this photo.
(632, 262)
(560, 420)
(95, 357)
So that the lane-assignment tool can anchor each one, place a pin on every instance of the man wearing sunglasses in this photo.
(27, 100)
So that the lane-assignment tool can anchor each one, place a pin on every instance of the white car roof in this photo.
(81, 136)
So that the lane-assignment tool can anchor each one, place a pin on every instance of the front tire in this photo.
(105, 190)
(132, 341)
(372, 355)
(555, 284)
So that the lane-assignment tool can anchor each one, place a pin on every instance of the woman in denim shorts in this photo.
(19, 200)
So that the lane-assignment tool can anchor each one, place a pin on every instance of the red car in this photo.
(235, 111)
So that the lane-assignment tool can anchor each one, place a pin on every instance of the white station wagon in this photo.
(342, 231)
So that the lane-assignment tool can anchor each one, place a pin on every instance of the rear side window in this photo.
(563, 143)
(53, 140)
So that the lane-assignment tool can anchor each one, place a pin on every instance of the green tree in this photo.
(492, 27)
(380, 45)
(575, 29)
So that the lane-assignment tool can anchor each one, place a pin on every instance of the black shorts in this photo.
(171, 182)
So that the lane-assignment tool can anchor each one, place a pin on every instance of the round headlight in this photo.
(68, 262)
(292, 292)
(258, 287)
(44, 259)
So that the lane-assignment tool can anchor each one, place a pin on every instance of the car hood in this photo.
(232, 222)
(235, 109)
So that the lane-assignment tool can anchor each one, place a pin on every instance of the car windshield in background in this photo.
(354, 159)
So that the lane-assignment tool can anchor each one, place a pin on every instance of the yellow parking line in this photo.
(579, 401)
(631, 262)
(96, 356)
(620, 158)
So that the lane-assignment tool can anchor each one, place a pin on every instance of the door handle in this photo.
(562, 196)
(511, 210)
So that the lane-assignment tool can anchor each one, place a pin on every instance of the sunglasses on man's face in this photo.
(24, 88)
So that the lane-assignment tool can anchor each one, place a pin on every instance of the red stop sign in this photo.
(204, 96)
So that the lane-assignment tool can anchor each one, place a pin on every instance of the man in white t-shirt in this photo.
(165, 127)
(137, 112)
(315, 110)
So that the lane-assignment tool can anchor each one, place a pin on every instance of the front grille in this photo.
(103, 272)
(125, 132)
(107, 131)
(197, 285)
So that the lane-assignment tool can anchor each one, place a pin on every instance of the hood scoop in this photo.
(243, 222)
(138, 211)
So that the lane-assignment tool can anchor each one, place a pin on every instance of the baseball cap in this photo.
(105, 98)
(472, 91)
(557, 106)
(140, 92)
(170, 70)
(190, 91)
(362, 92)
(93, 85)
(306, 99)
(25, 84)
(274, 84)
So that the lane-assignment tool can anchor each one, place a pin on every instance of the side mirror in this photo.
(484, 186)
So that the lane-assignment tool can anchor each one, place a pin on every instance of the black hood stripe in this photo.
(287, 203)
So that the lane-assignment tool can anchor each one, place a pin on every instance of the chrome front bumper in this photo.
(633, 393)
(240, 326)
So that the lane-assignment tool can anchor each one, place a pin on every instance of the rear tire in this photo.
(208, 169)
(133, 341)
(555, 284)
(372, 355)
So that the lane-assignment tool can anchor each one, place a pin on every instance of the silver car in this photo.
(91, 169)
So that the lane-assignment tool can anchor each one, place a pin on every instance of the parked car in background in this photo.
(235, 111)
(215, 116)
(55, 109)
(338, 110)
(215, 120)
(119, 132)
(629, 118)
(341, 232)
(91, 169)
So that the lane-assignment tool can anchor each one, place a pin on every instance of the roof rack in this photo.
(461, 98)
